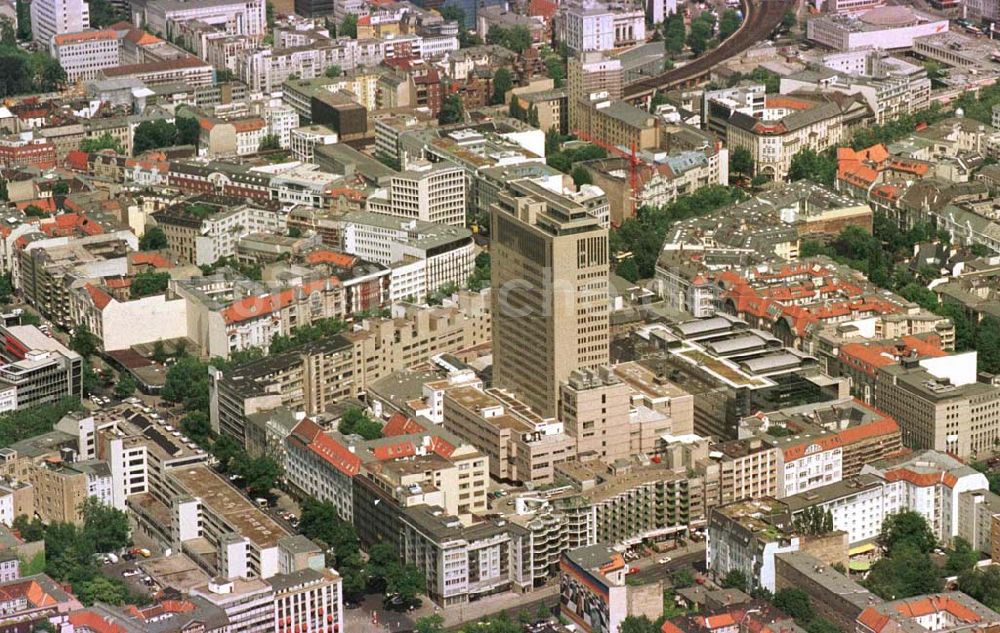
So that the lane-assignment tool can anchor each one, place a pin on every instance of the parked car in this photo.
(664, 560)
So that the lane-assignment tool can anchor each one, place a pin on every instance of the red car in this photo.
(633, 570)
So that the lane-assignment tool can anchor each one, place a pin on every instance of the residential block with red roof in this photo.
(951, 612)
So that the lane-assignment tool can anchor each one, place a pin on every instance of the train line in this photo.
(762, 16)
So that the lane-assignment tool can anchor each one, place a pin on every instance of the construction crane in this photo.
(632, 158)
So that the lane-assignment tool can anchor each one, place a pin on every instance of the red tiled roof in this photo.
(542, 8)
(90, 621)
(340, 260)
(155, 260)
(261, 305)
(400, 424)
(882, 426)
(872, 619)
(45, 204)
(923, 480)
(331, 451)
(926, 605)
(77, 160)
(395, 450)
(100, 298)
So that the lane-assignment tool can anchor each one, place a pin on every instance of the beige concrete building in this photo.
(521, 445)
(550, 292)
(940, 411)
(594, 407)
(588, 74)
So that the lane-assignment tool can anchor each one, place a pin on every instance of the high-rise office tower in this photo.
(549, 292)
(55, 17)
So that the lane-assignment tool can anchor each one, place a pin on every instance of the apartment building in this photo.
(45, 267)
(824, 442)
(747, 469)
(138, 449)
(321, 467)
(617, 123)
(231, 137)
(594, 407)
(932, 484)
(203, 229)
(36, 369)
(447, 252)
(460, 563)
(83, 55)
(309, 378)
(427, 192)
(747, 536)
(205, 507)
(630, 501)
(791, 124)
(550, 270)
(246, 17)
(522, 446)
(309, 598)
(592, 25)
(61, 488)
(587, 74)
(942, 408)
(190, 71)
(56, 17)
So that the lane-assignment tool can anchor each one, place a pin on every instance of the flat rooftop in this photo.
(223, 499)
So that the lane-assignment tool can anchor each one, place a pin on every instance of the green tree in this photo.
(682, 578)
(638, 624)
(906, 528)
(674, 33)
(260, 474)
(24, 423)
(988, 344)
(101, 589)
(153, 239)
(788, 20)
(153, 135)
(126, 385)
(433, 623)
(188, 130)
(270, 142)
(198, 427)
(983, 584)
(735, 579)
(23, 10)
(187, 383)
(795, 603)
(227, 450)
(83, 341)
(502, 83)
(741, 161)
(822, 625)
(555, 69)
(906, 571)
(356, 422)
(962, 557)
(102, 142)
(104, 526)
(149, 282)
(452, 110)
(349, 26)
(581, 176)
(516, 38)
(333, 71)
(728, 23)
(103, 14)
(807, 164)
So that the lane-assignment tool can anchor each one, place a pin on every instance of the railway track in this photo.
(762, 16)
